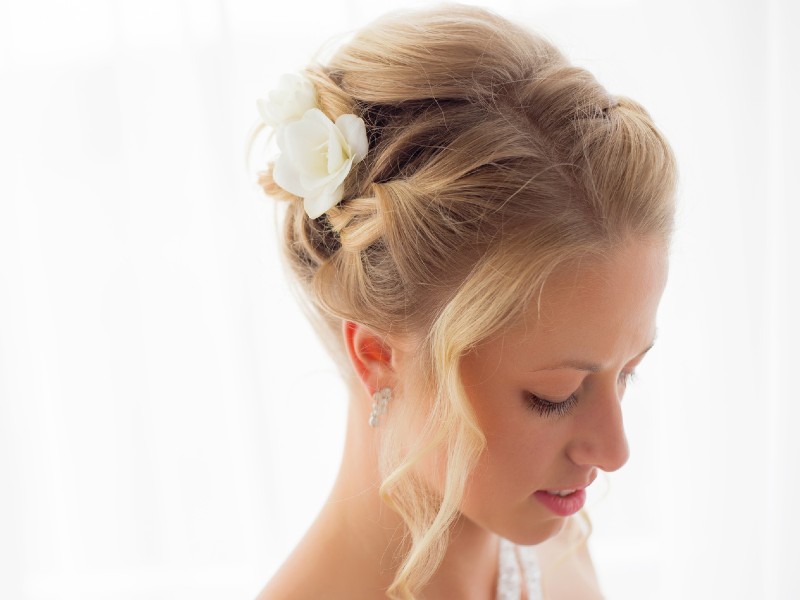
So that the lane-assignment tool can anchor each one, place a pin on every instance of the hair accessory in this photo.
(316, 154)
(380, 400)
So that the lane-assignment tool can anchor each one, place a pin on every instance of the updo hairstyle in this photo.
(492, 162)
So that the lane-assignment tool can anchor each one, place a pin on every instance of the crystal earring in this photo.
(379, 401)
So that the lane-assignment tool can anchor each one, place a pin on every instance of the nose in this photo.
(599, 439)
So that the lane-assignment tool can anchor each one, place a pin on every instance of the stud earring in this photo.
(379, 401)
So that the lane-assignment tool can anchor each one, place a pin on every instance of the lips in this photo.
(562, 506)
(563, 490)
(560, 492)
(572, 488)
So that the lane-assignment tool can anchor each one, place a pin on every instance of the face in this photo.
(547, 392)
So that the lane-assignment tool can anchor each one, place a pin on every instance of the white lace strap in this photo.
(533, 576)
(509, 581)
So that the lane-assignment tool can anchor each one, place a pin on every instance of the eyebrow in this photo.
(587, 366)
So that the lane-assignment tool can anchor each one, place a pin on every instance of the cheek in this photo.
(519, 458)
(521, 446)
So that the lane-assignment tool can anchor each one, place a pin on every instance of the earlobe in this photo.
(370, 355)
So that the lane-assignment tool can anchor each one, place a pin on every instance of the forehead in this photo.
(600, 310)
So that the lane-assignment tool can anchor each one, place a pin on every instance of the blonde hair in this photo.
(492, 162)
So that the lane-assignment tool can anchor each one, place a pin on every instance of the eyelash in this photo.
(559, 409)
(547, 408)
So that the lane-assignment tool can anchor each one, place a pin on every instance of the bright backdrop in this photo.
(168, 423)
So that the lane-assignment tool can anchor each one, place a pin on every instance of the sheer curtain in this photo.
(169, 424)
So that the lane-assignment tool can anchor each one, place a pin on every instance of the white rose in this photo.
(294, 95)
(316, 156)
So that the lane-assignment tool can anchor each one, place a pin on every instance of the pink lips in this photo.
(563, 506)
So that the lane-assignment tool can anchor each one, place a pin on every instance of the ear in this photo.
(370, 354)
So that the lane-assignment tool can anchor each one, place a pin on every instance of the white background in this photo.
(169, 424)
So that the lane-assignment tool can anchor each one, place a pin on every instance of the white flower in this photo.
(316, 156)
(294, 95)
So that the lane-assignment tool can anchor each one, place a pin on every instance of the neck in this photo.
(366, 530)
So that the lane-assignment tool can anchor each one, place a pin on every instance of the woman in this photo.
(481, 231)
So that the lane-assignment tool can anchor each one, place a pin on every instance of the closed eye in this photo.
(547, 408)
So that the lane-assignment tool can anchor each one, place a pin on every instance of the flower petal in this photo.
(304, 95)
(310, 182)
(304, 142)
(355, 132)
(328, 197)
(336, 179)
(293, 96)
(337, 153)
(284, 174)
(264, 111)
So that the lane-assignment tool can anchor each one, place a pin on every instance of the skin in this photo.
(601, 312)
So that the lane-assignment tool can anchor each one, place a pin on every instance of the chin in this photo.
(536, 533)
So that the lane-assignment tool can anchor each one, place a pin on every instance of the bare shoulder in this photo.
(291, 585)
(283, 586)
(313, 586)
(294, 580)
(566, 565)
(297, 581)
(314, 571)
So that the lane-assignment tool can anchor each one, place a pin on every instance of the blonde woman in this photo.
(481, 231)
